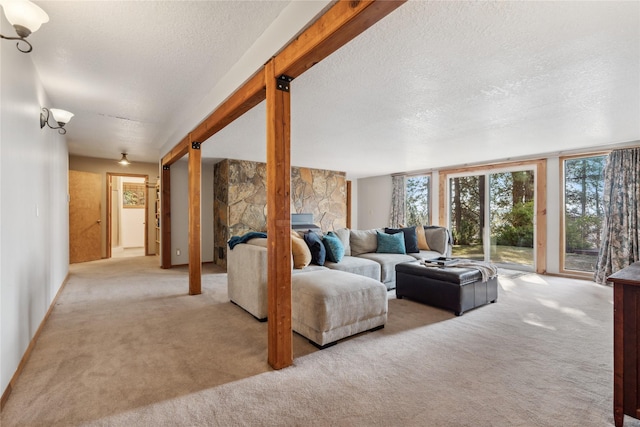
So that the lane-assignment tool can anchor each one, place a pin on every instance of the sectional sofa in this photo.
(340, 298)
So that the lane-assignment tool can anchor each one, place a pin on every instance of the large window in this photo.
(583, 212)
(417, 200)
(492, 217)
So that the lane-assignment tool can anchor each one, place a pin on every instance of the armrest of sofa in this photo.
(247, 278)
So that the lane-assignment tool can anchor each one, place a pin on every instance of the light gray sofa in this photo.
(361, 256)
(333, 301)
(326, 305)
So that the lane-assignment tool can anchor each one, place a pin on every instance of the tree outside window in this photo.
(583, 211)
(417, 200)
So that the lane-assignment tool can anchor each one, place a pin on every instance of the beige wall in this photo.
(102, 167)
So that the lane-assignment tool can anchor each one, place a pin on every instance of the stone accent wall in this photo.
(240, 203)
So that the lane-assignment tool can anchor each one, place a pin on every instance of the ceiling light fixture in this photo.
(25, 17)
(61, 117)
(124, 161)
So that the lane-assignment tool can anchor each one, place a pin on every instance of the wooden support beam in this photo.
(242, 100)
(195, 245)
(165, 218)
(339, 25)
(179, 151)
(280, 343)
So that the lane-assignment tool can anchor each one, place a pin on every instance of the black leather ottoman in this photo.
(453, 288)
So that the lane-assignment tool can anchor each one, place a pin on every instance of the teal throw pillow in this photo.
(334, 247)
(391, 243)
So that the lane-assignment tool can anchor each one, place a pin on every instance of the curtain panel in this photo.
(397, 217)
(620, 245)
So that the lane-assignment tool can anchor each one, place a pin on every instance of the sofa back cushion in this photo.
(344, 235)
(363, 241)
(437, 238)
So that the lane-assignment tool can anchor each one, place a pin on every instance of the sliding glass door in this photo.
(491, 217)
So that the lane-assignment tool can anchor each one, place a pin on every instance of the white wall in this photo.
(180, 212)
(132, 222)
(34, 215)
(374, 202)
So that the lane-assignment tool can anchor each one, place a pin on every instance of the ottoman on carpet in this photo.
(328, 305)
(453, 288)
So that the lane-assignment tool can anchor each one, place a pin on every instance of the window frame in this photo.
(539, 166)
(562, 234)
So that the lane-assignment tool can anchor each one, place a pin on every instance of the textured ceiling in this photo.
(450, 83)
(433, 84)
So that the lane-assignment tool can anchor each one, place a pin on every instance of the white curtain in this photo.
(397, 217)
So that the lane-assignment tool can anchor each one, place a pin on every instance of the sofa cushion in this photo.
(437, 238)
(333, 247)
(390, 243)
(344, 235)
(357, 265)
(331, 305)
(388, 266)
(300, 251)
(410, 238)
(318, 252)
(422, 239)
(363, 241)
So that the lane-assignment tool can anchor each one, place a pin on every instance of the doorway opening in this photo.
(127, 212)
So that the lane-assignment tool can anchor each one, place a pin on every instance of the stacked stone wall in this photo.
(240, 203)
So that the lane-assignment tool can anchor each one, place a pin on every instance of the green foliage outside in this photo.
(517, 226)
(417, 194)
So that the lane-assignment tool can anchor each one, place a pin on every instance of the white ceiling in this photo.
(434, 84)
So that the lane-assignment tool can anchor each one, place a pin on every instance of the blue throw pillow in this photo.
(390, 243)
(334, 247)
(318, 252)
(410, 238)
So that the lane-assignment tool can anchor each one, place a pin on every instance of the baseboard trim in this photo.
(27, 353)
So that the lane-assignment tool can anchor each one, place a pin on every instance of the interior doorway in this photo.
(127, 213)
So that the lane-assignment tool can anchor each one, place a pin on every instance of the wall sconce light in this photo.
(25, 17)
(61, 117)
(124, 161)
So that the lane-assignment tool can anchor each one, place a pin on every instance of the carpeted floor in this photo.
(126, 346)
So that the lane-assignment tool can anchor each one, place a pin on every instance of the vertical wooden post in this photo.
(195, 184)
(280, 340)
(165, 217)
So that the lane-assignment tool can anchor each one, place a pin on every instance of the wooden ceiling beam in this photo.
(343, 22)
(242, 100)
(340, 24)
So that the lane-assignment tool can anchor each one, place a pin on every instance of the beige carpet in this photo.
(126, 346)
